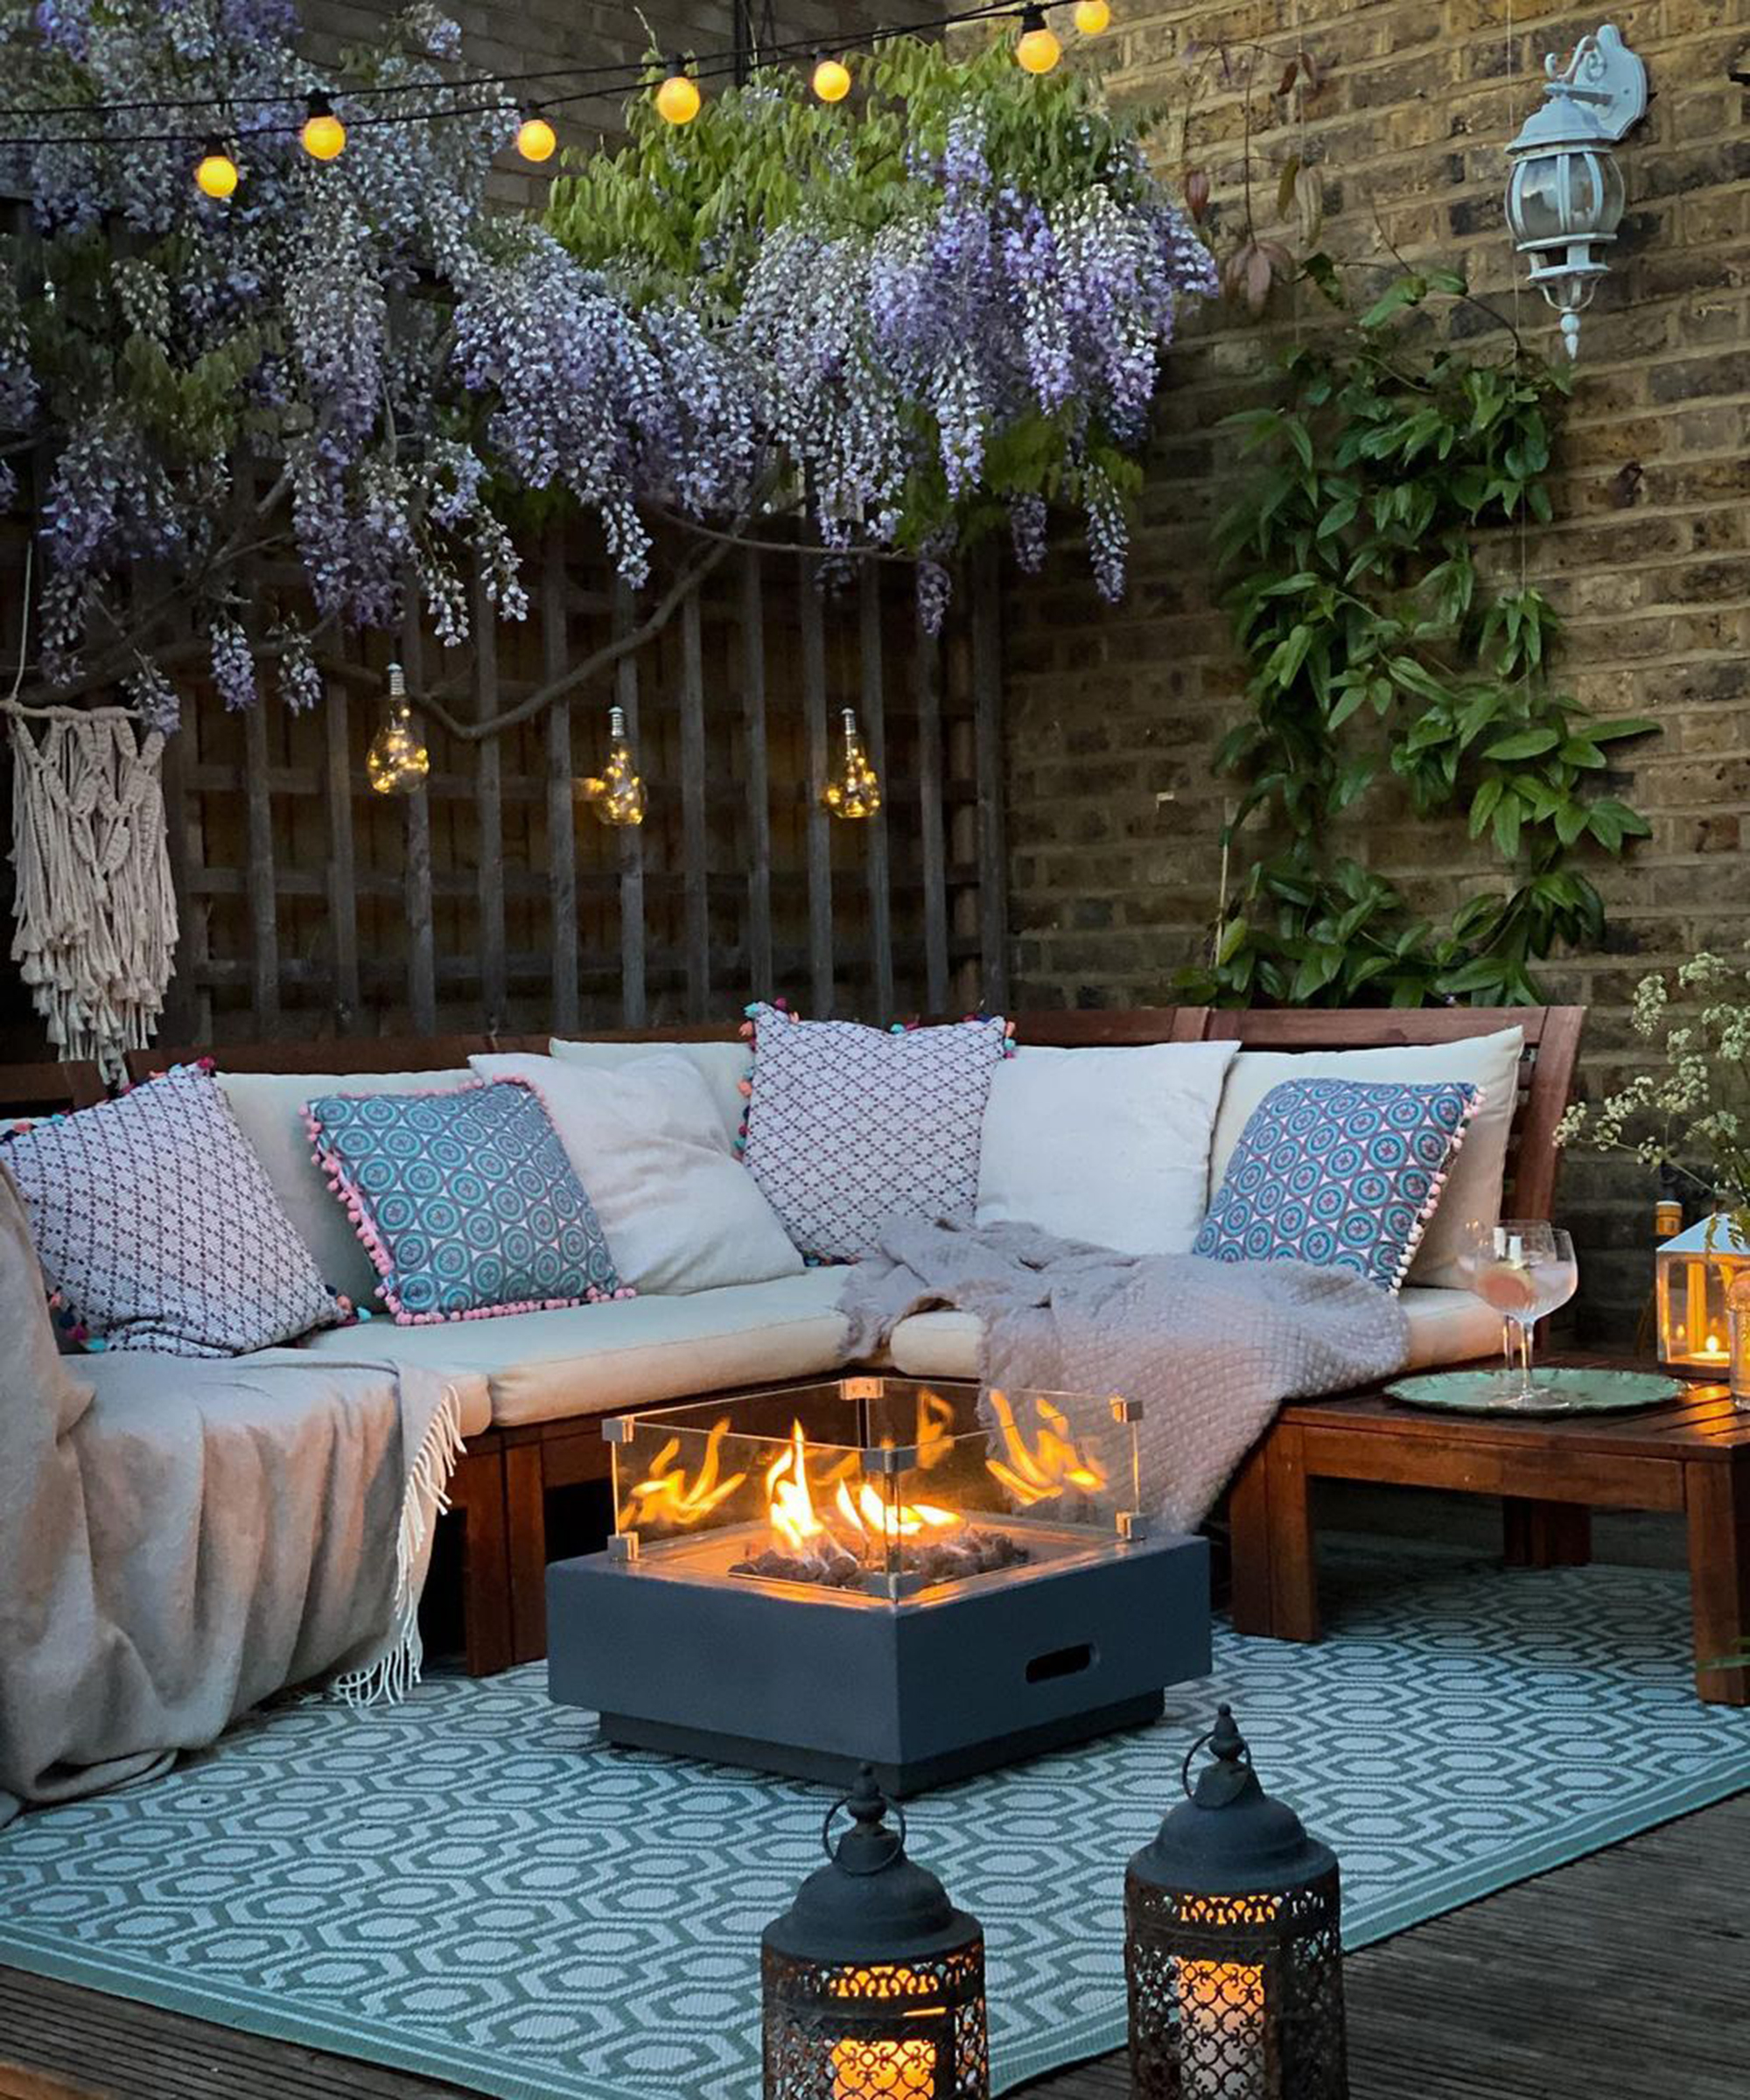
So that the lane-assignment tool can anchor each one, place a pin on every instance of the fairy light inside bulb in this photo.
(323, 137)
(831, 79)
(215, 172)
(1038, 51)
(616, 796)
(855, 790)
(397, 762)
(536, 140)
(1092, 18)
(677, 99)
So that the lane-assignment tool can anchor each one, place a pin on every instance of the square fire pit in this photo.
(934, 1580)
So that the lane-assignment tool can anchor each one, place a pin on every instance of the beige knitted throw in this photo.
(95, 907)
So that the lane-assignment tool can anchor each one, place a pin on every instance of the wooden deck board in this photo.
(1624, 1973)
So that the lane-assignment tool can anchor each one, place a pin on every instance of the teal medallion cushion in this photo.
(465, 1201)
(1339, 1173)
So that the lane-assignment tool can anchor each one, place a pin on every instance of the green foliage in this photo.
(1379, 654)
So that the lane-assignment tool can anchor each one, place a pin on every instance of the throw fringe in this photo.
(424, 1501)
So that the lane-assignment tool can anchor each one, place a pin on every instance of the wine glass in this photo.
(1525, 1268)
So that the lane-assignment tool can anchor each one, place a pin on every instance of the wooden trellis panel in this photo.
(496, 900)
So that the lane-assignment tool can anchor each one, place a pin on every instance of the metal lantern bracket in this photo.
(1606, 75)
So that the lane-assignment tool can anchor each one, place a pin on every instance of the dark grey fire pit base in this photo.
(812, 1682)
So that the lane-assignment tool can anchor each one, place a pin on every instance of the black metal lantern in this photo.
(873, 1981)
(1232, 1947)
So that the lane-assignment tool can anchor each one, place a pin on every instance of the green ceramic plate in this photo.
(1561, 1391)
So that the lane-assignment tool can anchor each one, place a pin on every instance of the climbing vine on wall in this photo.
(1383, 652)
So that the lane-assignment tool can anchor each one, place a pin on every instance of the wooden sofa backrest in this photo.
(1553, 1039)
(47, 1089)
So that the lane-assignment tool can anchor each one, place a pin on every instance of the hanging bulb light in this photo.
(215, 172)
(324, 135)
(618, 795)
(677, 99)
(1093, 17)
(855, 790)
(831, 79)
(536, 140)
(397, 762)
(1038, 50)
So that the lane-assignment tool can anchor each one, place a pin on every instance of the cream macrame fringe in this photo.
(96, 909)
(396, 1671)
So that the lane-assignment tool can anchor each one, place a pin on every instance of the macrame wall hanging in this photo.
(95, 910)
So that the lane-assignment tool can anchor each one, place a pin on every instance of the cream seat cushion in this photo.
(1445, 1326)
(589, 1360)
(1471, 1196)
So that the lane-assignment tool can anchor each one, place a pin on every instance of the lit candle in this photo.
(1712, 1350)
(875, 2070)
(1222, 2004)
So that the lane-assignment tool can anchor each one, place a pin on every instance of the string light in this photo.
(1093, 17)
(831, 79)
(617, 796)
(536, 138)
(397, 763)
(215, 172)
(1038, 50)
(855, 790)
(322, 135)
(677, 99)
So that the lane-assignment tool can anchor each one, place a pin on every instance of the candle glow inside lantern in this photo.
(1694, 1273)
(1233, 1951)
(873, 1981)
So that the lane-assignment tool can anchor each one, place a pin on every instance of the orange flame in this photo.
(1039, 1472)
(789, 1501)
(668, 1496)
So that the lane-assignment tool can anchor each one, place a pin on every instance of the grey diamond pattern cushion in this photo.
(849, 1126)
(156, 1223)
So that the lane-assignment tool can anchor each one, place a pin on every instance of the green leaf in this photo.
(1522, 744)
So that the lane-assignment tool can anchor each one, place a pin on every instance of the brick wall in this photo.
(1113, 813)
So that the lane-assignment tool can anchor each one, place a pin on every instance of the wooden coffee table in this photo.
(1690, 1455)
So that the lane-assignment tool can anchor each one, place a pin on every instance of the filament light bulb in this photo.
(617, 796)
(831, 79)
(1038, 50)
(397, 763)
(535, 138)
(677, 99)
(215, 172)
(324, 135)
(1093, 17)
(855, 790)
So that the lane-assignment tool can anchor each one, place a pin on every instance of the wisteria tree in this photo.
(905, 325)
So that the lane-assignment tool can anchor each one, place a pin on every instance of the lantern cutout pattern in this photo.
(854, 790)
(617, 793)
(1232, 1952)
(1702, 1327)
(873, 1983)
(397, 762)
(1565, 197)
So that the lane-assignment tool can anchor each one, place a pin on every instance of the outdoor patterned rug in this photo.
(471, 1886)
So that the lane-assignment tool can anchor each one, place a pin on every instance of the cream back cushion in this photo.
(269, 1107)
(1471, 1196)
(722, 1067)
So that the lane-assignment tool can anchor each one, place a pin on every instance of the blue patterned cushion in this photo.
(1338, 1174)
(466, 1201)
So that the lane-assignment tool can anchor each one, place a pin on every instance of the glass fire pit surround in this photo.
(931, 1578)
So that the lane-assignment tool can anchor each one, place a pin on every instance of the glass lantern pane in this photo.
(1534, 203)
(1610, 212)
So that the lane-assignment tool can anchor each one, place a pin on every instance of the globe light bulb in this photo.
(616, 796)
(1093, 17)
(215, 172)
(677, 99)
(855, 790)
(324, 135)
(535, 138)
(1038, 50)
(397, 763)
(831, 79)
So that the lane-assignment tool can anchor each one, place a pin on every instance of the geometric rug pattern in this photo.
(472, 1886)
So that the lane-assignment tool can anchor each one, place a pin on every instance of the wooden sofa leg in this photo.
(1249, 1542)
(525, 1501)
(476, 1493)
(1545, 1534)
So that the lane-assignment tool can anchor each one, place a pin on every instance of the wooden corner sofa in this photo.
(499, 1492)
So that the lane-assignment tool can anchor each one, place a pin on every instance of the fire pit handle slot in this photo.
(1062, 1662)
